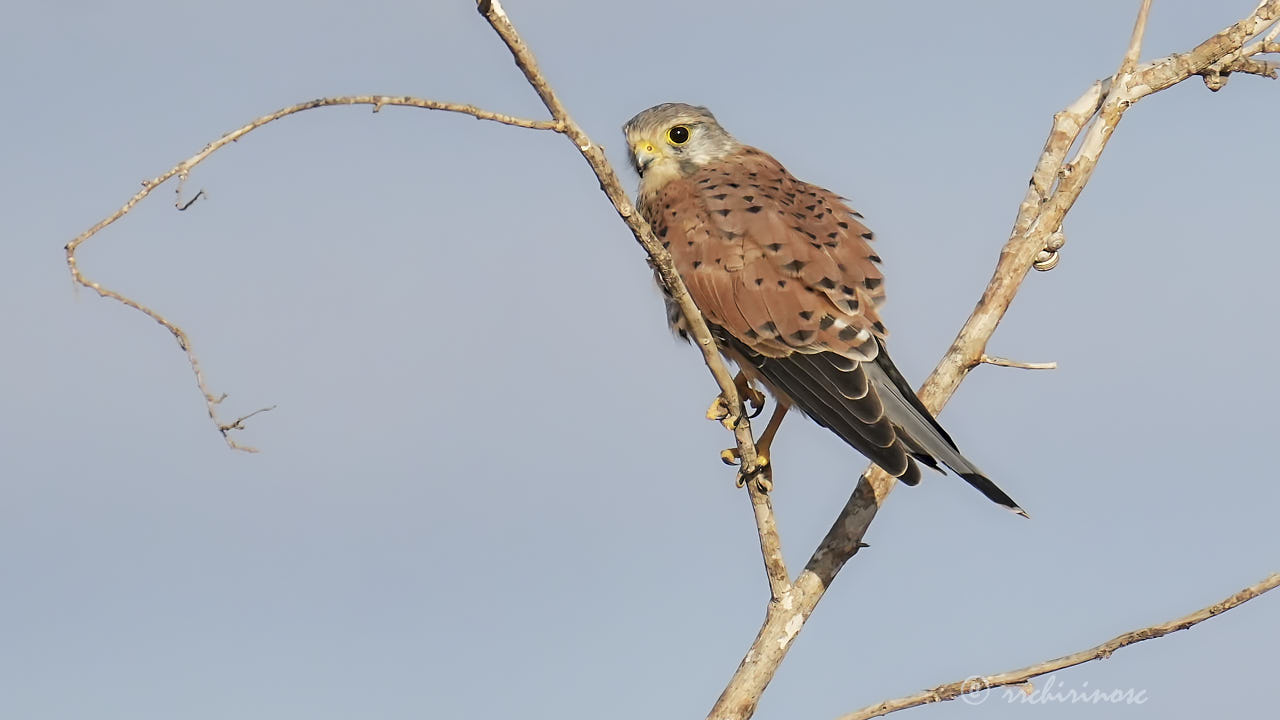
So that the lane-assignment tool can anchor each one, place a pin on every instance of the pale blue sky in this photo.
(487, 492)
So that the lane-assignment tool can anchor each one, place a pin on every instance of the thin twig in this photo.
(182, 169)
(238, 423)
(1006, 362)
(983, 683)
(1134, 52)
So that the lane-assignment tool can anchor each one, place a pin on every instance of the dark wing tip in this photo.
(910, 476)
(923, 458)
(993, 493)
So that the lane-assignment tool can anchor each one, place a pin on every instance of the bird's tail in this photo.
(922, 434)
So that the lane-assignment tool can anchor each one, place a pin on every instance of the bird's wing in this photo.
(781, 265)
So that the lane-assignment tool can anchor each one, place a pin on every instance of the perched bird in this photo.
(785, 275)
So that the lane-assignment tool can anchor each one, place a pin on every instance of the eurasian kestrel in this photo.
(784, 274)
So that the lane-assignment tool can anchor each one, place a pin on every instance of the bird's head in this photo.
(674, 140)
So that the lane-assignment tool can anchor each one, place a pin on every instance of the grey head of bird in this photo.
(674, 140)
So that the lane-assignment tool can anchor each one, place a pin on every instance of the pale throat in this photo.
(659, 174)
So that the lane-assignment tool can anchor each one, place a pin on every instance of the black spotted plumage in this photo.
(784, 274)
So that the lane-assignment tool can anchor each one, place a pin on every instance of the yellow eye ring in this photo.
(678, 135)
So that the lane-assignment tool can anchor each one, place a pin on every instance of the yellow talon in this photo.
(731, 456)
(719, 409)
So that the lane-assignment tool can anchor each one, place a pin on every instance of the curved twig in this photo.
(181, 171)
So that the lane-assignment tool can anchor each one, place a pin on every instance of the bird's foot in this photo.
(732, 456)
(761, 474)
(763, 481)
(719, 409)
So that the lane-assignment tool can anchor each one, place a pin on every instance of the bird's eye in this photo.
(678, 135)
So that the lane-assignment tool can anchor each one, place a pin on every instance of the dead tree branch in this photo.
(593, 153)
(1056, 183)
(984, 683)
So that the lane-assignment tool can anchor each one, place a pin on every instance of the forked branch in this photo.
(1056, 183)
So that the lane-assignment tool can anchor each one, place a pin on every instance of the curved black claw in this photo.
(761, 476)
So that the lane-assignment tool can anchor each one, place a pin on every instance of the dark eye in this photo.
(678, 135)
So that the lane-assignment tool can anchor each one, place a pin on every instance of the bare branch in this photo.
(183, 169)
(1132, 55)
(1169, 71)
(780, 626)
(1245, 62)
(775, 566)
(1055, 185)
(1006, 362)
(593, 153)
(951, 691)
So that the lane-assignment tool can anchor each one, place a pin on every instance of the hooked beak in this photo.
(644, 153)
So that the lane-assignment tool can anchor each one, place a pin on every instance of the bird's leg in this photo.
(719, 409)
(732, 455)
